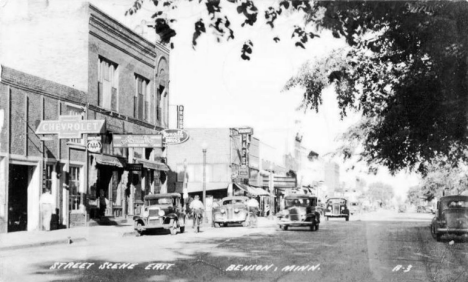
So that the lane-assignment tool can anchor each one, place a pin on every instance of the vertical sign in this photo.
(246, 134)
(180, 117)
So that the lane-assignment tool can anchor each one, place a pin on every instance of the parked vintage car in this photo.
(231, 210)
(161, 211)
(451, 217)
(299, 210)
(337, 207)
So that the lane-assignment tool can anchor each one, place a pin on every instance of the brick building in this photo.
(223, 161)
(95, 68)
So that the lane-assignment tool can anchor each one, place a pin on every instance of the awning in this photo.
(252, 190)
(109, 160)
(152, 165)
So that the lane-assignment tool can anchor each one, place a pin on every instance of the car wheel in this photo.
(139, 228)
(347, 218)
(174, 228)
(328, 218)
(182, 229)
(216, 225)
(284, 227)
(245, 223)
(316, 227)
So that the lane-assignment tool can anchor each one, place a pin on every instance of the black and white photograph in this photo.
(234, 140)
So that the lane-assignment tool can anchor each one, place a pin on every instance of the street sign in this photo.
(174, 136)
(70, 126)
(137, 141)
(94, 144)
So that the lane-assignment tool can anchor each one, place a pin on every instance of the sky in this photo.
(219, 89)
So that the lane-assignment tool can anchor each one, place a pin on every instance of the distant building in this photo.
(332, 177)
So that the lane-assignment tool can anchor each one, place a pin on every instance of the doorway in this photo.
(19, 179)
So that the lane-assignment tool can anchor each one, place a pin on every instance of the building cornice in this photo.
(121, 33)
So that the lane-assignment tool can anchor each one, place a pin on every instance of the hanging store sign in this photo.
(243, 172)
(70, 126)
(94, 144)
(174, 136)
(134, 167)
(137, 141)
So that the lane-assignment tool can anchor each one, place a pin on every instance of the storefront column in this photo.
(132, 189)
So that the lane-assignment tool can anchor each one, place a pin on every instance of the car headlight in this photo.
(236, 210)
(161, 213)
(342, 208)
(223, 211)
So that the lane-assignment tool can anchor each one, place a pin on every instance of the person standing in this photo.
(197, 208)
(253, 206)
(102, 203)
(47, 202)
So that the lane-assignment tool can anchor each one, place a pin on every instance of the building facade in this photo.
(98, 70)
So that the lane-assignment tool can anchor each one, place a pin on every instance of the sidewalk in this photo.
(29, 239)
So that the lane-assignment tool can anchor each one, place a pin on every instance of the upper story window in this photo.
(141, 108)
(108, 79)
(162, 97)
(73, 110)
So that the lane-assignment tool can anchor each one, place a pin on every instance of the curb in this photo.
(42, 244)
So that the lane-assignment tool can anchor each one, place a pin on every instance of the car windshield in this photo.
(456, 204)
(336, 201)
(160, 201)
(297, 202)
(233, 201)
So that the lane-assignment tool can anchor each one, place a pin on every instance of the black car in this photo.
(299, 210)
(451, 217)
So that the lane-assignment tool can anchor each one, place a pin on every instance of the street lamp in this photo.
(204, 146)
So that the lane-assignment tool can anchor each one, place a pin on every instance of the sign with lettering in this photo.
(134, 167)
(243, 172)
(174, 136)
(247, 130)
(180, 117)
(70, 126)
(94, 144)
(137, 141)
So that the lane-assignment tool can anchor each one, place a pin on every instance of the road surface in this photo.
(382, 246)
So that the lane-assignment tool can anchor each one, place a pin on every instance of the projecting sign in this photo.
(70, 126)
(174, 136)
(180, 117)
(94, 144)
(137, 141)
(247, 130)
(243, 172)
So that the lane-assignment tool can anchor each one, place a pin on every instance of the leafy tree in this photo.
(381, 192)
(404, 70)
(414, 194)
(443, 179)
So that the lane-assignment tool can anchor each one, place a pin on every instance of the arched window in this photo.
(162, 94)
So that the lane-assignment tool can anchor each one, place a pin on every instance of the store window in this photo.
(49, 168)
(75, 110)
(108, 84)
(74, 185)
